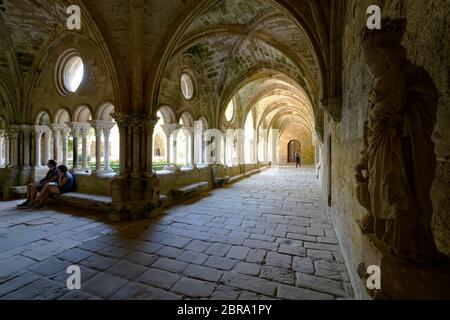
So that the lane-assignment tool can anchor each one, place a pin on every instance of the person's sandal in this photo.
(23, 205)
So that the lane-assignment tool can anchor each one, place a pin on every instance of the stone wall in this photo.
(173, 180)
(296, 132)
(99, 185)
(95, 89)
(427, 42)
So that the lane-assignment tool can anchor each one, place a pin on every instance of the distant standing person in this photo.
(298, 159)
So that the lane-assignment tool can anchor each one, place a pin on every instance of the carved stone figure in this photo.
(396, 172)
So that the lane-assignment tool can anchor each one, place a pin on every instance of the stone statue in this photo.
(396, 172)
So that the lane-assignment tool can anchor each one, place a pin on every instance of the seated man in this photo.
(34, 188)
(65, 184)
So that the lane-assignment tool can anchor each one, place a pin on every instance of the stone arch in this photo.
(82, 113)
(3, 142)
(62, 116)
(93, 32)
(6, 101)
(315, 30)
(43, 118)
(167, 114)
(293, 145)
(187, 119)
(2, 123)
(204, 122)
(104, 111)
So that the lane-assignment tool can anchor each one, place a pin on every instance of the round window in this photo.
(73, 73)
(69, 72)
(229, 112)
(187, 86)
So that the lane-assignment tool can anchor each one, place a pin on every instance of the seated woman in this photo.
(65, 184)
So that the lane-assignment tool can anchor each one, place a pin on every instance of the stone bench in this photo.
(242, 176)
(190, 189)
(18, 192)
(84, 200)
(164, 201)
(237, 178)
(220, 182)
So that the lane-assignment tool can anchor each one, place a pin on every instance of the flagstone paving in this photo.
(266, 237)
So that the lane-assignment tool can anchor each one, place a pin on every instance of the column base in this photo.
(134, 197)
(402, 279)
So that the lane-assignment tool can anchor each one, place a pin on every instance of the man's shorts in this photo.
(40, 186)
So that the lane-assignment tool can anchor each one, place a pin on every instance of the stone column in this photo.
(76, 133)
(106, 134)
(122, 123)
(168, 147)
(6, 150)
(240, 146)
(224, 146)
(137, 126)
(192, 147)
(168, 130)
(48, 141)
(189, 133)
(274, 137)
(135, 193)
(27, 133)
(84, 150)
(98, 146)
(187, 156)
(229, 147)
(174, 147)
(38, 132)
(263, 140)
(56, 140)
(250, 151)
(13, 133)
(217, 136)
(266, 150)
(198, 142)
(64, 134)
(149, 130)
(2, 142)
(254, 143)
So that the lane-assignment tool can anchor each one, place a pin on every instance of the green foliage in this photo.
(115, 165)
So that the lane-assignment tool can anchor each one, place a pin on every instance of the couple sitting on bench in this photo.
(57, 181)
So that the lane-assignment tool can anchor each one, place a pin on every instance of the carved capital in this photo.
(320, 133)
(37, 130)
(26, 130)
(122, 120)
(169, 128)
(333, 106)
(13, 132)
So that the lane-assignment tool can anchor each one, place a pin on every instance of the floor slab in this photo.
(264, 237)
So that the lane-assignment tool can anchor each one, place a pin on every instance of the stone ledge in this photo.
(84, 200)
(405, 280)
(245, 175)
(190, 189)
(18, 192)
(220, 182)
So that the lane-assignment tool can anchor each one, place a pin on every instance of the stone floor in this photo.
(267, 237)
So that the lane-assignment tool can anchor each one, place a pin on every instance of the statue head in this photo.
(382, 48)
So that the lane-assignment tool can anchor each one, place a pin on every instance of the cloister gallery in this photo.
(182, 122)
